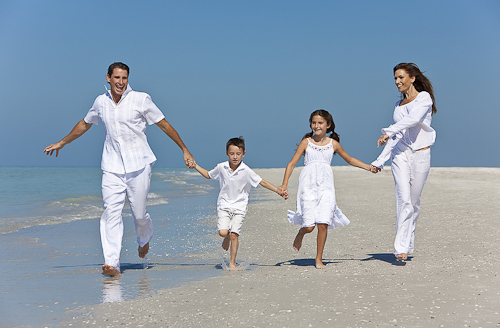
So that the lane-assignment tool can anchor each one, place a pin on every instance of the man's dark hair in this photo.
(119, 65)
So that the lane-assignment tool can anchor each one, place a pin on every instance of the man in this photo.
(127, 160)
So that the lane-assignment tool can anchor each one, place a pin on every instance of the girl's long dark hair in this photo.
(422, 83)
(329, 120)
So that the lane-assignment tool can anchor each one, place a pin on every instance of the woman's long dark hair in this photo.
(422, 83)
(329, 120)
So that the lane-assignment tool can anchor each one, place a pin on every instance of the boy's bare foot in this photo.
(225, 243)
(297, 243)
(402, 257)
(143, 251)
(320, 265)
(110, 271)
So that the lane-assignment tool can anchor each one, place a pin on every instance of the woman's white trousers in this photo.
(410, 170)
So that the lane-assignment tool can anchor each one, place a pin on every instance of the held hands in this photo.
(374, 169)
(382, 140)
(283, 192)
(189, 160)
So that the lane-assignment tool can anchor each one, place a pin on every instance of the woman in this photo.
(408, 143)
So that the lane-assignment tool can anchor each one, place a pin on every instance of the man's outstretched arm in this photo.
(172, 134)
(79, 129)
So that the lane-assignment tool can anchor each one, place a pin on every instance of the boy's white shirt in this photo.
(234, 186)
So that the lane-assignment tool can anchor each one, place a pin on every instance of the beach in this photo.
(452, 279)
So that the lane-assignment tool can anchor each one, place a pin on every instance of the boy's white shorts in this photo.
(230, 219)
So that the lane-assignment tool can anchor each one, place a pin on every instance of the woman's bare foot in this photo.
(225, 243)
(232, 266)
(320, 265)
(402, 257)
(110, 271)
(143, 250)
(297, 243)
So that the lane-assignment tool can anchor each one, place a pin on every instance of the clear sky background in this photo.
(220, 69)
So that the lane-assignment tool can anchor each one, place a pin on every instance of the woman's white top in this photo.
(412, 127)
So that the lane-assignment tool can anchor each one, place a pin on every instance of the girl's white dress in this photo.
(316, 193)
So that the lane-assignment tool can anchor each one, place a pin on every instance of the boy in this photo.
(235, 179)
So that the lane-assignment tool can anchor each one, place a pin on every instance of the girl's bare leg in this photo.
(297, 243)
(234, 249)
(321, 240)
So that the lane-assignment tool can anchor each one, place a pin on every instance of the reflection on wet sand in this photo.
(112, 290)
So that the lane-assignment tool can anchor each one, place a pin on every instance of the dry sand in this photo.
(452, 280)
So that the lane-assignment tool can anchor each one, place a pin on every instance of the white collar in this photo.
(239, 168)
(127, 91)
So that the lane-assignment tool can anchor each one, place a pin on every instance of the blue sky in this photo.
(220, 69)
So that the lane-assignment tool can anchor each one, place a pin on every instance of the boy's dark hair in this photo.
(119, 65)
(238, 142)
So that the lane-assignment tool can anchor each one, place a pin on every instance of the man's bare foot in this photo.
(225, 243)
(297, 243)
(402, 257)
(110, 271)
(143, 251)
(320, 265)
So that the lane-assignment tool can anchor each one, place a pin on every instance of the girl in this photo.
(316, 205)
(408, 144)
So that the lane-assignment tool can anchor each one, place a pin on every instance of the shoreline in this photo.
(450, 281)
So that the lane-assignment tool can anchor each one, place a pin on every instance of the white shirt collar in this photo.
(239, 168)
(127, 91)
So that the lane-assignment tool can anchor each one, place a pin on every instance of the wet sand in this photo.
(452, 280)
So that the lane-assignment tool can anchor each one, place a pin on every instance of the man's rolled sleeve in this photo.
(92, 116)
(151, 112)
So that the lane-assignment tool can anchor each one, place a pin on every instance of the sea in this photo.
(51, 252)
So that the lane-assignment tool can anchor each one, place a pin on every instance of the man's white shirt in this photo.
(126, 148)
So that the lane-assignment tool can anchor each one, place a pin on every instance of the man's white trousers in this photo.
(135, 186)
(410, 170)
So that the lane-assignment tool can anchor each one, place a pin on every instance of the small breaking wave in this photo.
(155, 199)
(67, 210)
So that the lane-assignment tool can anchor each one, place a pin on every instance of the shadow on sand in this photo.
(384, 257)
(305, 262)
(388, 258)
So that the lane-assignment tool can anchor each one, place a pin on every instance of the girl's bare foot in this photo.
(225, 243)
(320, 265)
(297, 243)
(110, 271)
(143, 250)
